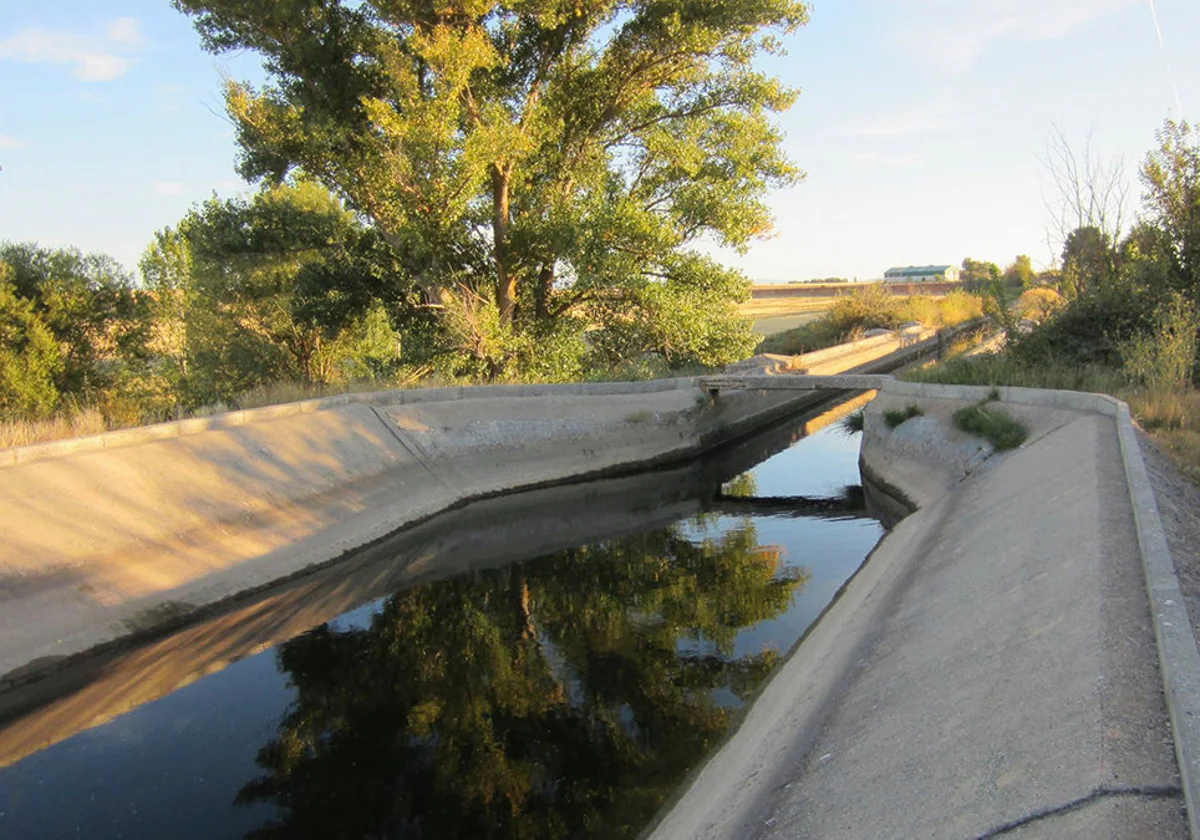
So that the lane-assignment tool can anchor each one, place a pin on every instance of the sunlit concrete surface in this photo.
(485, 534)
(992, 669)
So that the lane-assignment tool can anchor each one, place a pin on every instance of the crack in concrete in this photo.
(1102, 792)
(418, 453)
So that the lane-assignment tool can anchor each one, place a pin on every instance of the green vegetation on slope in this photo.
(894, 417)
(1124, 317)
(871, 307)
(991, 422)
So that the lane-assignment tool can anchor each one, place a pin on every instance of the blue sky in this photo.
(921, 123)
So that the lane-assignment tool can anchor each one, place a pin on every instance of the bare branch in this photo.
(1084, 191)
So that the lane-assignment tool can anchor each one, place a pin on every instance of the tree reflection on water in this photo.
(563, 697)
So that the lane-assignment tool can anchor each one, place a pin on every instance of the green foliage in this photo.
(558, 159)
(988, 421)
(284, 286)
(1091, 329)
(1164, 358)
(688, 320)
(88, 308)
(89, 305)
(894, 417)
(563, 697)
(853, 423)
(29, 356)
(1171, 176)
(977, 275)
(1021, 273)
(1003, 369)
(1089, 263)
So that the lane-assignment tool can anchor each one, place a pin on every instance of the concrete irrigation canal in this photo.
(613, 610)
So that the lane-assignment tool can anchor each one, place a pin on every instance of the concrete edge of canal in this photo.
(124, 536)
(1014, 657)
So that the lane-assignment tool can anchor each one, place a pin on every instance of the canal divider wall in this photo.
(999, 663)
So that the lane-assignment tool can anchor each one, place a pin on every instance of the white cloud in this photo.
(8, 142)
(902, 161)
(125, 31)
(952, 34)
(930, 119)
(168, 188)
(93, 58)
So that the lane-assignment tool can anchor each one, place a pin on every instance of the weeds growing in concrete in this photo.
(853, 423)
(989, 421)
(895, 416)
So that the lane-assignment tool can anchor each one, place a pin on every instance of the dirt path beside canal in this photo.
(1178, 501)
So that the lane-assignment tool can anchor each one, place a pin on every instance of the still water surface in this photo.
(565, 695)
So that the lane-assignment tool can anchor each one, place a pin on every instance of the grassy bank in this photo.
(1170, 416)
(870, 308)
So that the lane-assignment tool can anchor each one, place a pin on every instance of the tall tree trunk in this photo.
(506, 280)
(541, 294)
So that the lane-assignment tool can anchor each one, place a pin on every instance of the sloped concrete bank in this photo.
(99, 543)
(486, 534)
(129, 533)
(994, 667)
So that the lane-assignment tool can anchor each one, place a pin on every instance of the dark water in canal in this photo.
(566, 694)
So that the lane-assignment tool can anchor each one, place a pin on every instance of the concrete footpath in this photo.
(992, 670)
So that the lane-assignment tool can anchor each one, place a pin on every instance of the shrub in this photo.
(1090, 330)
(1039, 304)
(1164, 359)
(873, 307)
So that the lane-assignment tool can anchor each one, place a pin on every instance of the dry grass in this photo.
(1169, 411)
(873, 306)
(279, 393)
(74, 422)
(1183, 447)
(15, 433)
(1172, 418)
(948, 311)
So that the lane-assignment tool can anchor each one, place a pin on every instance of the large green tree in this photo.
(29, 355)
(977, 273)
(91, 308)
(1171, 176)
(552, 158)
(286, 285)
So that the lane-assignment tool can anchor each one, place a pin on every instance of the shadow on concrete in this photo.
(485, 534)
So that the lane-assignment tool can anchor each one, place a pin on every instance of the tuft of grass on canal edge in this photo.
(990, 422)
(895, 416)
(852, 424)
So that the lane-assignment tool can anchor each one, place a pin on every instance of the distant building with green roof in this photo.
(923, 274)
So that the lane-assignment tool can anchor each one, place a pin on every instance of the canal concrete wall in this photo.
(103, 539)
(1011, 659)
(122, 535)
(486, 534)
